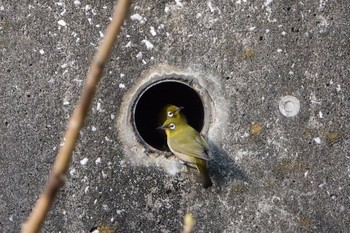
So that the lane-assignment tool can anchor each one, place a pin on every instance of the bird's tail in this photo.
(202, 167)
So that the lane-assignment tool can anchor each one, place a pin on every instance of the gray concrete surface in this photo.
(271, 173)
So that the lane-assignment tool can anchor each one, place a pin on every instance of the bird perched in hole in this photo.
(188, 145)
(169, 111)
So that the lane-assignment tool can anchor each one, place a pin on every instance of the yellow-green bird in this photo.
(188, 145)
(171, 111)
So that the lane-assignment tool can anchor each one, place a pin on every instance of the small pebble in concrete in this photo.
(289, 106)
(84, 161)
(317, 140)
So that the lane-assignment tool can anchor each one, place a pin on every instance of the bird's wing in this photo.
(194, 146)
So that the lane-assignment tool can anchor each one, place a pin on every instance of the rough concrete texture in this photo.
(271, 173)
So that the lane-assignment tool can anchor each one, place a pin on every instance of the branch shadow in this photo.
(222, 168)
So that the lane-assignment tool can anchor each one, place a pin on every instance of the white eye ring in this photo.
(172, 126)
(170, 114)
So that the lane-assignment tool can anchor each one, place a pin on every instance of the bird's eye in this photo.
(172, 126)
(170, 114)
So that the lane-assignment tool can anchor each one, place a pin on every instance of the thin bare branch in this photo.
(61, 165)
(189, 223)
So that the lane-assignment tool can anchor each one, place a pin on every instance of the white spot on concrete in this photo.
(104, 175)
(112, 116)
(148, 44)
(64, 212)
(122, 163)
(269, 11)
(331, 82)
(62, 23)
(306, 173)
(198, 15)
(291, 72)
(98, 107)
(11, 218)
(284, 33)
(95, 231)
(139, 55)
(121, 85)
(178, 2)
(95, 201)
(77, 2)
(93, 128)
(279, 50)
(87, 7)
(84, 161)
(101, 34)
(240, 1)
(153, 31)
(72, 172)
(112, 219)
(98, 160)
(317, 140)
(166, 9)
(41, 51)
(122, 75)
(338, 89)
(320, 114)
(322, 4)
(107, 139)
(251, 28)
(136, 16)
(2, 8)
(86, 189)
(65, 102)
(89, 20)
(211, 8)
(120, 211)
(268, 2)
(79, 81)
(128, 45)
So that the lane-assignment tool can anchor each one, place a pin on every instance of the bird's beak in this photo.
(179, 109)
(160, 128)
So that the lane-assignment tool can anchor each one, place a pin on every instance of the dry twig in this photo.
(61, 165)
(189, 223)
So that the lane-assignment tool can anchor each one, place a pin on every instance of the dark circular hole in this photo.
(150, 103)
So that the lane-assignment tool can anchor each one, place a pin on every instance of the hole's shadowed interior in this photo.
(151, 102)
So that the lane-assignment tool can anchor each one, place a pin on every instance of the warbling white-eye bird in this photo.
(188, 145)
(170, 111)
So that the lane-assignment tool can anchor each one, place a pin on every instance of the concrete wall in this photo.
(271, 173)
